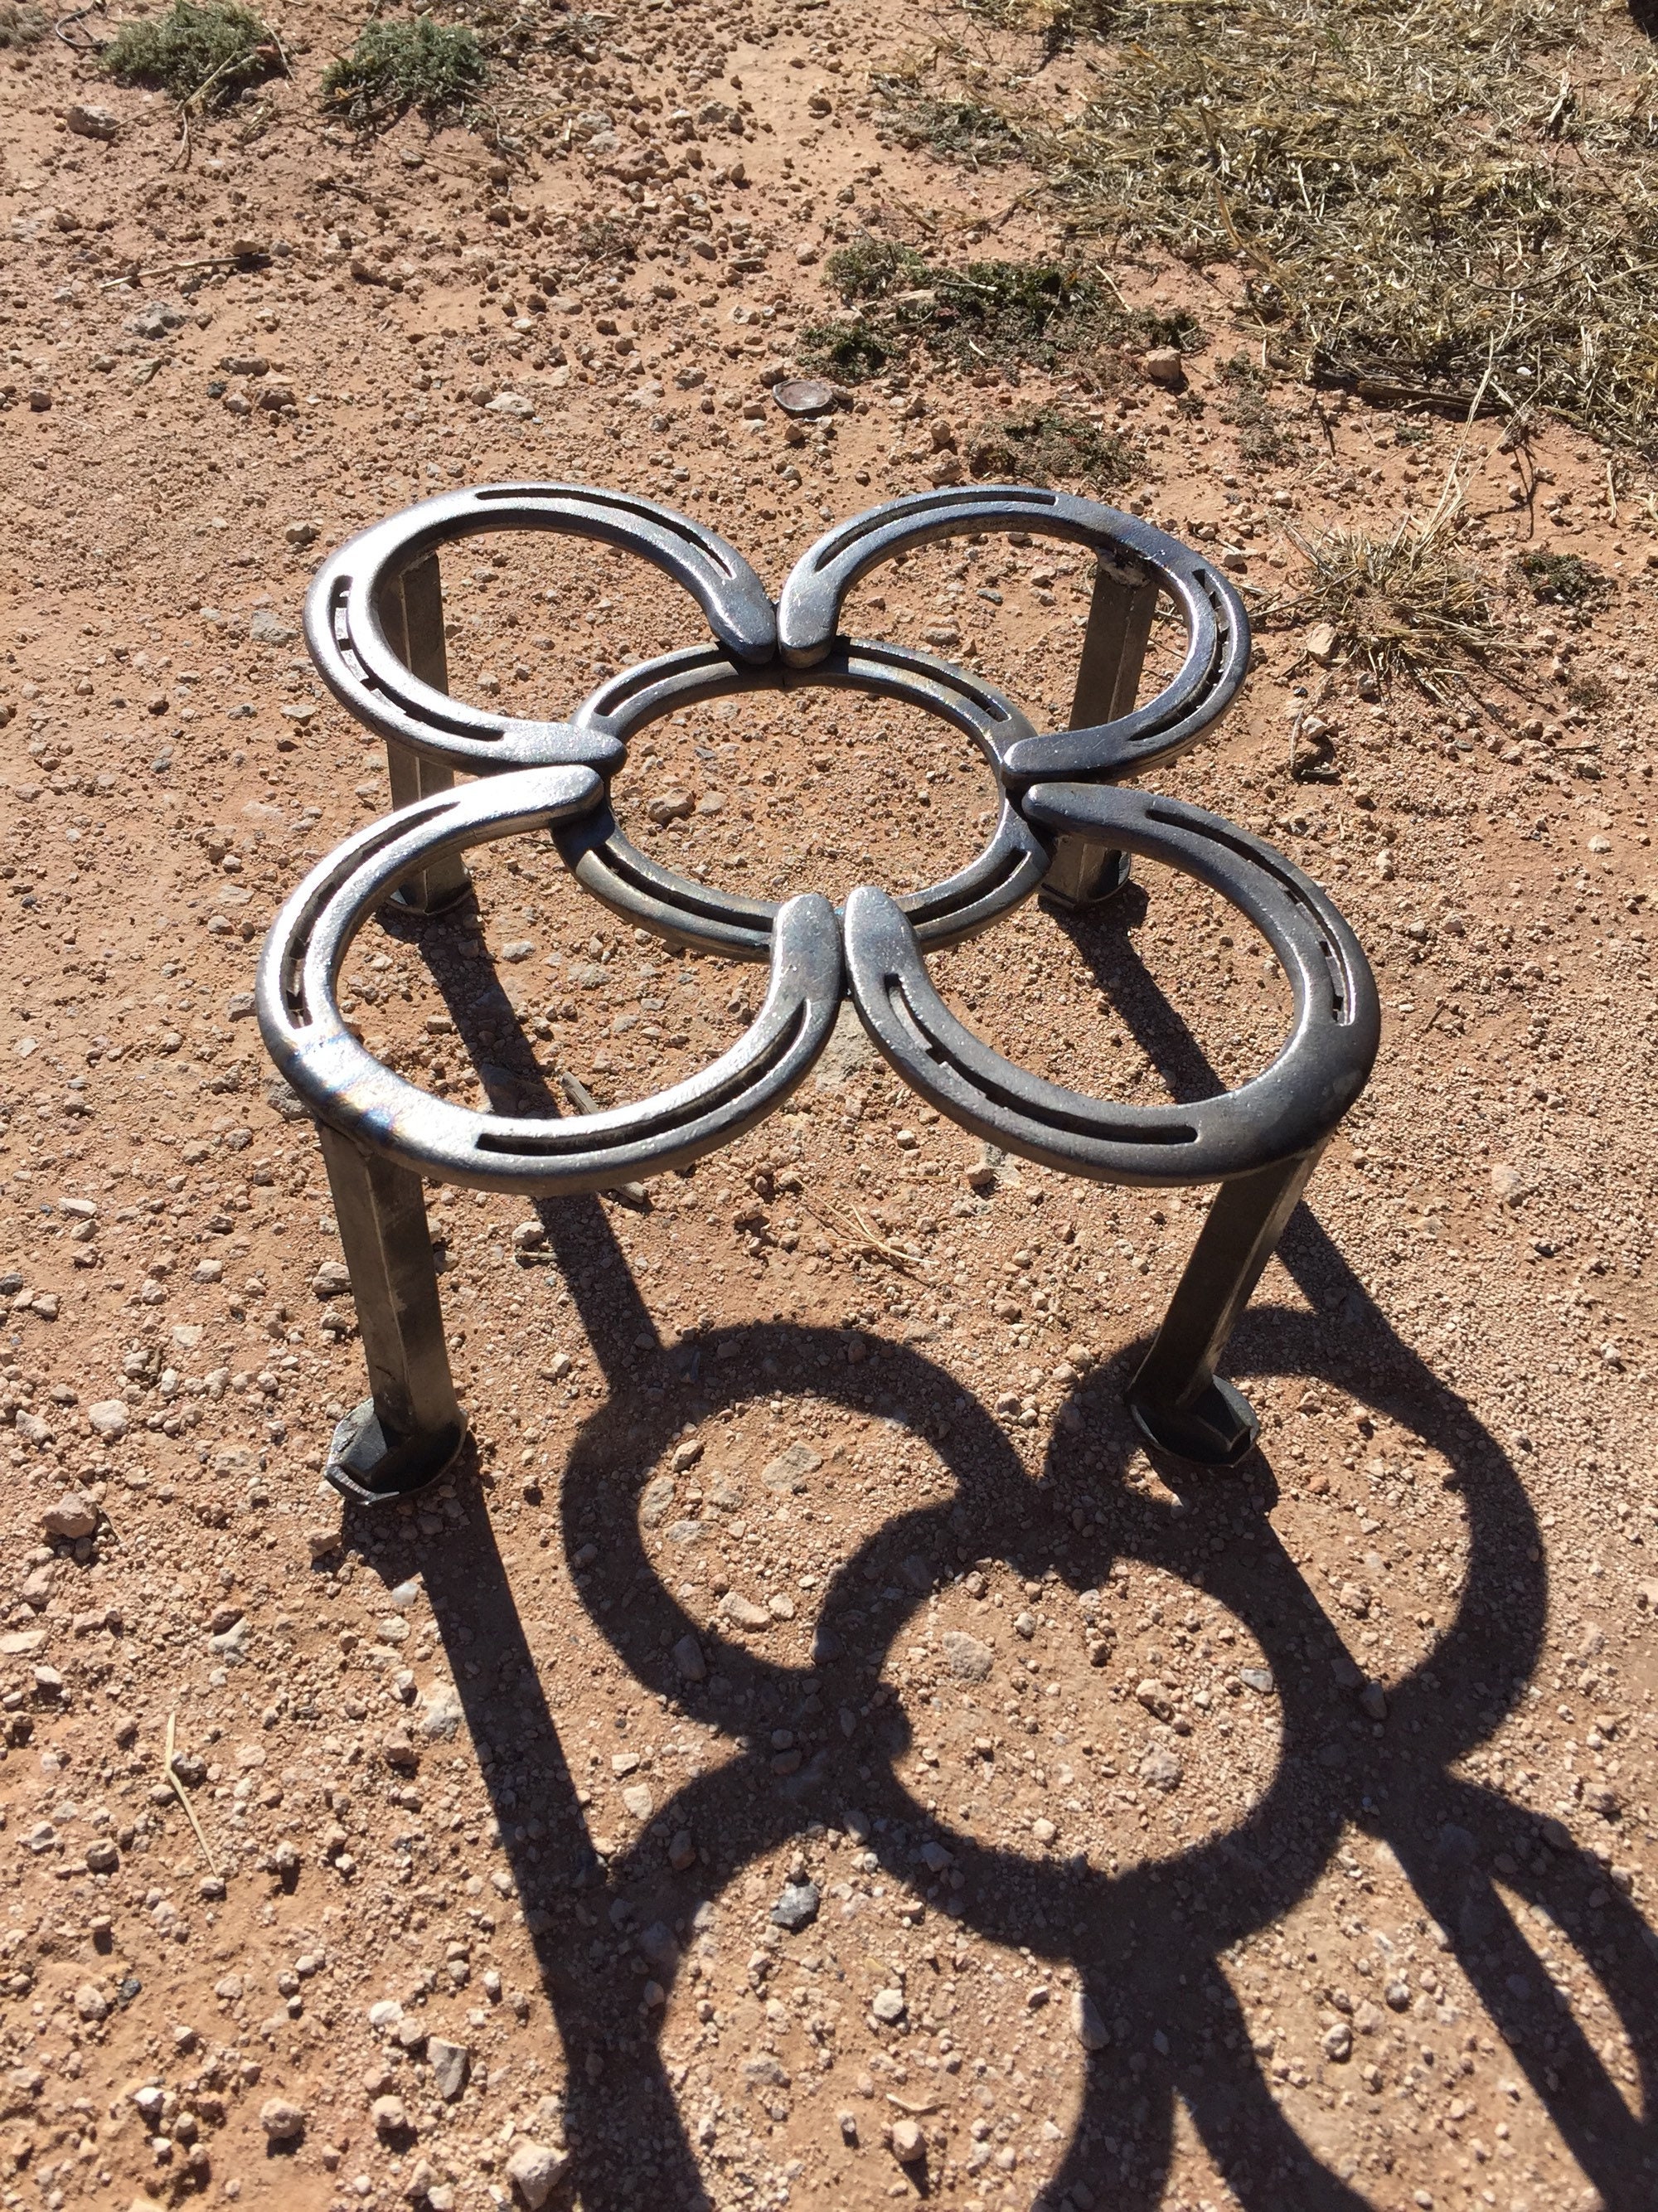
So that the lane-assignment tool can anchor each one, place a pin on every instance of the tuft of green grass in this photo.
(1029, 312)
(21, 25)
(202, 57)
(1047, 446)
(400, 63)
(1564, 579)
(1405, 604)
(1449, 201)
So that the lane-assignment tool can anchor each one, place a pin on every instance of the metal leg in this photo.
(1179, 1403)
(412, 1429)
(412, 615)
(1108, 682)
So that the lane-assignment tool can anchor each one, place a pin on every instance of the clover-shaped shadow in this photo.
(1152, 1937)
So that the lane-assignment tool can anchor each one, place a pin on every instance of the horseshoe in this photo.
(1281, 1113)
(1217, 627)
(345, 629)
(1008, 869)
(388, 1117)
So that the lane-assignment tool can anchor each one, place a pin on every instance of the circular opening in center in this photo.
(774, 792)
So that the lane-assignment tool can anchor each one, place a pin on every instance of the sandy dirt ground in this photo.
(1283, 1840)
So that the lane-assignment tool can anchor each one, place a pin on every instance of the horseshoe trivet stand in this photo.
(374, 625)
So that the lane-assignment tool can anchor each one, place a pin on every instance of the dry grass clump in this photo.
(1564, 579)
(1455, 197)
(201, 56)
(400, 63)
(1402, 605)
(20, 27)
(1048, 446)
(1011, 312)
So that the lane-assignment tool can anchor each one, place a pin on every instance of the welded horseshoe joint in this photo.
(1125, 744)
(347, 609)
(1261, 1142)
(605, 862)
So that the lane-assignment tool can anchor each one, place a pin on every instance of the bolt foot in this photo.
(1217, 1428)
(368, 1469)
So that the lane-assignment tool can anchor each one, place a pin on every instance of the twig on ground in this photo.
(178, 1792)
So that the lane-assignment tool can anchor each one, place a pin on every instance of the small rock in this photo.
(967, 1658)
(1164, 366)
(282, 2120)
(1320, 642)
(389, 2116)
(797, 1908)
(400, 1753)
(1257, 1678)
(301, 534)
(264, 627)
(1339, 2042)
(1086, 2024)
(682, 1851)
(658, 1496)
(1043, 1831)
(108, 1418)
(1507, 1182)
(102, 1857)
(787, 1472)
(89, 122)
(744, 1612)
(1161, 1768)
(70, 1516)
(511, 402)
(1156, 1699)
(1373, 1701)
(451, 2063)
(908, 2143)
(91, 2003)
(688, 1657)
(441, 1712)
(639, 1801)
(888, 2005)
(332, 1278)
(535, 2171)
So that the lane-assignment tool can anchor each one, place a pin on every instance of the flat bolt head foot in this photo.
(1218, 1429)
(368, 1469)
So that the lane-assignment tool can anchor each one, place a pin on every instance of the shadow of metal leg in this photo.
(1179, 1403)
(1107, 683)
(411, 1429)
(412, 615)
